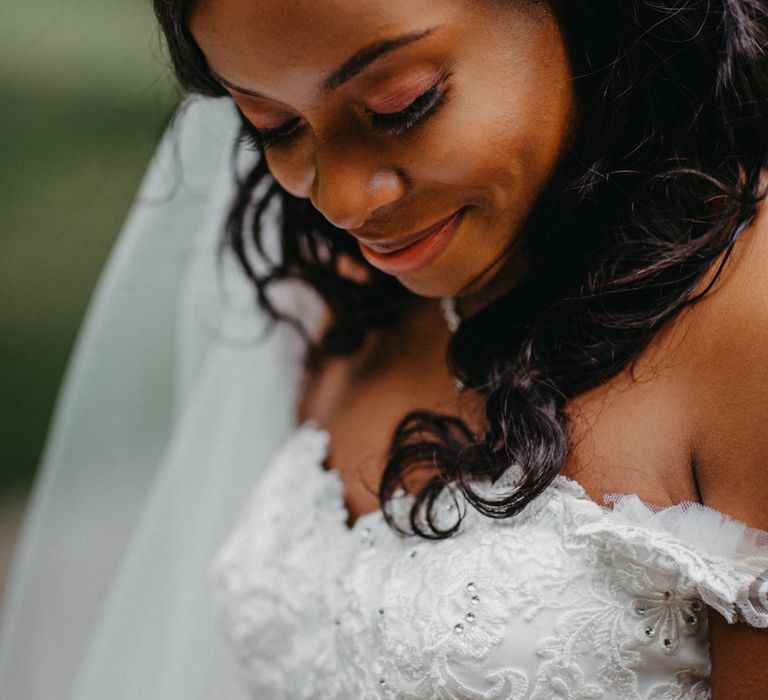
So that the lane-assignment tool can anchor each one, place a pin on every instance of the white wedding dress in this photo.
(567, 600)
(133, 578)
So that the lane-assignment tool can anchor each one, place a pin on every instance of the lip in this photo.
(415, 251)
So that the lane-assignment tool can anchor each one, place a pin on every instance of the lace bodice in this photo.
(566, 600)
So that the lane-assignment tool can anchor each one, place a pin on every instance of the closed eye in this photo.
(258, 139)
(400, 123)
(391, 124)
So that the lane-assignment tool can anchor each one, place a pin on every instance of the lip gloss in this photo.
(418, 254)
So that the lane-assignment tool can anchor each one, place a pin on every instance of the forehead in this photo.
(266, 43)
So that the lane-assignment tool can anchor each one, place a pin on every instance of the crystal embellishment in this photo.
(673, 613)
(366, 537)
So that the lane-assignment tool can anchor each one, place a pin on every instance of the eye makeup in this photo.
(400, 123)
(394, 124)
(258, 139)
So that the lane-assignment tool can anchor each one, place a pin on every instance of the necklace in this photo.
(452, 316)
(450, 308)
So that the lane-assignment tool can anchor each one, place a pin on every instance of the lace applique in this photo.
(566, 600)
(626, 619)
(724, 561)
(685, 686)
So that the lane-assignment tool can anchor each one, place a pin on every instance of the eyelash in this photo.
(393, 124)
(400, 123)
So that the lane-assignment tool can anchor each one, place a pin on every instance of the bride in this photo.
(497, 430)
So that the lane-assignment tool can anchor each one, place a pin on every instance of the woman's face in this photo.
(424, 128)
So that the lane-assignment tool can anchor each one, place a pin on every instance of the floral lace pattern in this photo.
(568, 600)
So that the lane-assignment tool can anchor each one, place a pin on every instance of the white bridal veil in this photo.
(171, 405)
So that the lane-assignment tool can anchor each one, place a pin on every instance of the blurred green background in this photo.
(85, 94)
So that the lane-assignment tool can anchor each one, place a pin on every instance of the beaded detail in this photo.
(566, 600)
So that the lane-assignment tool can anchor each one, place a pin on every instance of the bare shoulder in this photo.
(728, 385)
(728, 381)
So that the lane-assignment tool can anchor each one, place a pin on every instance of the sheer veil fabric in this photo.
(173, 401)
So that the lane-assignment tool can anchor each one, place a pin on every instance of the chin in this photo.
(486, 280)
(434, 286)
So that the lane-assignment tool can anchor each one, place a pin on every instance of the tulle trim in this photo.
(722, 559)
(698, 525)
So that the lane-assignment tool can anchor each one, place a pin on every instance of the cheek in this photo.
(500, 141)
(497, 151)
(507, 126)
(293, 169)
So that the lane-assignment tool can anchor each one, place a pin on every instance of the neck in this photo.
(506, 274)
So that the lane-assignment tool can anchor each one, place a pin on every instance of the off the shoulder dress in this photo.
(568, 600)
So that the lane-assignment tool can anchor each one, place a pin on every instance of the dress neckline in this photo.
(628, 516)
(561, 482)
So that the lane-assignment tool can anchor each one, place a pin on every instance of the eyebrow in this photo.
(353, 66)
(367, 55)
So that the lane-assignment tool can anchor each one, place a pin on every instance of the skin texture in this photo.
(689, 425)
(491, 146)
(729, 347)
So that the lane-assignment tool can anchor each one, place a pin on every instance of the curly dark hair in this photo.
(656, 184)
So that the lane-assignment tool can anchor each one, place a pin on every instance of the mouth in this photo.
(411, 253)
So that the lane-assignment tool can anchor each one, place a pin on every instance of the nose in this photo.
(349, 186)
